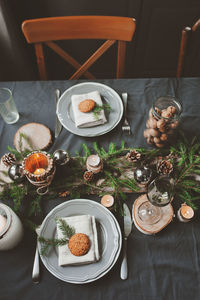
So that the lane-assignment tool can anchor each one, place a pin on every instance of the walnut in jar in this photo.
(163, 120)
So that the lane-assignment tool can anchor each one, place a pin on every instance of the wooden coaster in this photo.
(166, 217)
(39, 136)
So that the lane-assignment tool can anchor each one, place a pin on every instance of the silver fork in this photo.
(125, 126)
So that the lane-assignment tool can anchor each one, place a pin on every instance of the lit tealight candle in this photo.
(3, 221)
(39, 171)
(107, 201)
(185, 213)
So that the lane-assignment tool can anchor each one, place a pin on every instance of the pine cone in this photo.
(88, 176)
(164, 167)
(133, 156)
(8, 159)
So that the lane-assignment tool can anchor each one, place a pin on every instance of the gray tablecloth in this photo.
(164, 266)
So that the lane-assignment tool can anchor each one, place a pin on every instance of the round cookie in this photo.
(79, 244)
(86, 105)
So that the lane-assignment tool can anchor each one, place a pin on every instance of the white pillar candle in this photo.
(94, 163)
(3, 221)
(93, 160)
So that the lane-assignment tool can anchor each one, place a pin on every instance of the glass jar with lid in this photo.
(163, 121)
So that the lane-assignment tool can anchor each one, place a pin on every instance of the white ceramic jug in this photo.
(12, 232)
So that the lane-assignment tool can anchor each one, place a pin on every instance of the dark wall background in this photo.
(152, 53)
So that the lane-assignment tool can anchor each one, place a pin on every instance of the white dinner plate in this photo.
(108, 95)
(109, 239)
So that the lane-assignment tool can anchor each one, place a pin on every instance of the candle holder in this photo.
(11, 229)
(94, 163)
(39, 169)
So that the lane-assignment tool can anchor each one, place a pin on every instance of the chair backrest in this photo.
(47, 30)
(186, 35)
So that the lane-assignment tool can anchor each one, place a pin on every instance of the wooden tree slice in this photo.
(38, 135)
(166, 218)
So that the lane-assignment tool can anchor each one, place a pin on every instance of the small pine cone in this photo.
(64, 194)
(8, 159)
(88, 176)
(164, 167)
(133, 156)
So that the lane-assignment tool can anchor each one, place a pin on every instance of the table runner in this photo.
(164, 266)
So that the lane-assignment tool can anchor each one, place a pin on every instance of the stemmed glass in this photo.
(159, 193)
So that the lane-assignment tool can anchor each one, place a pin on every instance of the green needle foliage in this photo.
(184, 156)
(67, 232)
(98, 108)
(186, 161)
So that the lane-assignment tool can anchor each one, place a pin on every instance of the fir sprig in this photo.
(67, 232)
(47, 243)
(98, 108)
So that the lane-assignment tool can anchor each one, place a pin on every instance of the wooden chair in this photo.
(109, 28)
(186, 35)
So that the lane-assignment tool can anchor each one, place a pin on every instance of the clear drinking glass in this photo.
(8, 109)
(159, 193)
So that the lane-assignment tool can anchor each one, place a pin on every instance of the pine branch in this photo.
(47, 243)
(98, 108)
(67, 230)
(86, 150)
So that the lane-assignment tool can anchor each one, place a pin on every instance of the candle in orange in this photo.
(39, 171)
(107, 201)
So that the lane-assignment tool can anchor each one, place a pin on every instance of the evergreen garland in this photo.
(185, 157)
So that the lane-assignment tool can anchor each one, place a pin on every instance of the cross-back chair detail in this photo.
(185, 36)
(109, 28)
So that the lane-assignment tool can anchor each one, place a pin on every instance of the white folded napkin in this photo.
(87, 119)
(82, 224)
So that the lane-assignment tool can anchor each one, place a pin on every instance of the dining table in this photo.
(162, 266)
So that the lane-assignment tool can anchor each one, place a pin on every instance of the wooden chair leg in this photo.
(40, 61)
(121, 59)
(182, 52)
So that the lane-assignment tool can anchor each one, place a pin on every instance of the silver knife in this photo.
(36, 263)
(58, 126)
(127, 231)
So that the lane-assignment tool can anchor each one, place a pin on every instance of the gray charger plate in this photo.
(109, 238)
(108, 95)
